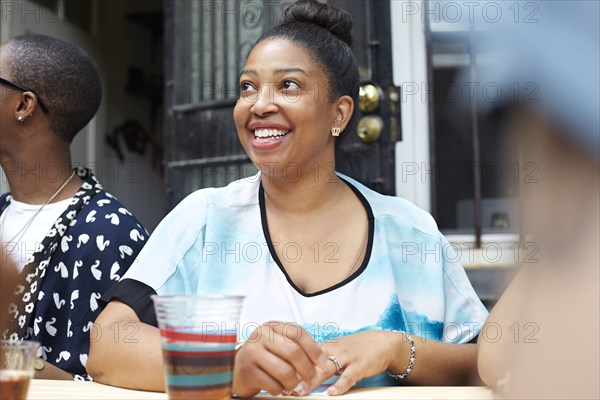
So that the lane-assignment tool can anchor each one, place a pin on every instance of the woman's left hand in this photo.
(361, 355)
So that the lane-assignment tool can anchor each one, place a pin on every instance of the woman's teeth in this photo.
(265, 133)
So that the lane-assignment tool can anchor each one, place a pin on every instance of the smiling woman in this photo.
(288, 105)
(338, 279)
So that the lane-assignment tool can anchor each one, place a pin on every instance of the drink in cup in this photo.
(16, 368)
(198, 337)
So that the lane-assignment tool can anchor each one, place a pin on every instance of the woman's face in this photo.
(284, 115)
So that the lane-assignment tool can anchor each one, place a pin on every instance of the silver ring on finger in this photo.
(337, 362)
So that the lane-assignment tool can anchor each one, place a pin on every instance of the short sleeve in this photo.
(136, 295)
(464, 314)
(165, 264)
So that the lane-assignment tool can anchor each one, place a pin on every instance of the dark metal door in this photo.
(206, 43)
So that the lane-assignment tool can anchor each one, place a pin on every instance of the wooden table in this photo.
(67, 390)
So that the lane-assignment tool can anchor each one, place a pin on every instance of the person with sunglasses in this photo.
(69, 240)
(25, 90)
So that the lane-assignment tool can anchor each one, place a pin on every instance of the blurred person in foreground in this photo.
(69, 239)
(554, 304)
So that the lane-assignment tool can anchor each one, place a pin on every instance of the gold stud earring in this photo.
(335, 131)
(20, 118)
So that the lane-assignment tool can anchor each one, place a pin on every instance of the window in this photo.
(216, 36)
(474, 159)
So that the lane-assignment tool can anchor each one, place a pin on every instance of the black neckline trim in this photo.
(356, 274)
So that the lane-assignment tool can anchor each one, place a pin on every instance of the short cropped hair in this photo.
(62, 74)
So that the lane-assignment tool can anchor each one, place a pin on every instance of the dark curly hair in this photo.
(62, 74)
(325, 31)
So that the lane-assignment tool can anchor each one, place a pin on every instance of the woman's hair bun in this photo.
(335, 20)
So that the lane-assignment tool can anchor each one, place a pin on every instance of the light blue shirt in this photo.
(216, 242)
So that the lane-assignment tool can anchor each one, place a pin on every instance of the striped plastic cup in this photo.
(198, 337)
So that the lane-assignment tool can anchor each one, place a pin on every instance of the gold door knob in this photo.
(369, 128)
(368, 98)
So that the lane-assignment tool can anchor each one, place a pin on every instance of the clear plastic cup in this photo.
(198, 337)
(16, 368)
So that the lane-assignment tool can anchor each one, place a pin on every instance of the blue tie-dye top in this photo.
(216, 243)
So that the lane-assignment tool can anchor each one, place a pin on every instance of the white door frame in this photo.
(409, 61)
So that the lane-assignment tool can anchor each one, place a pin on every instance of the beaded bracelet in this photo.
(411, 362)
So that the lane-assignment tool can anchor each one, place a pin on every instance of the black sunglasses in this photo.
(19, 87)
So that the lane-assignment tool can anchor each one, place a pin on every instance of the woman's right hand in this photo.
(277, 357)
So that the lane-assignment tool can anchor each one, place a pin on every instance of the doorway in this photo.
(206, 43)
